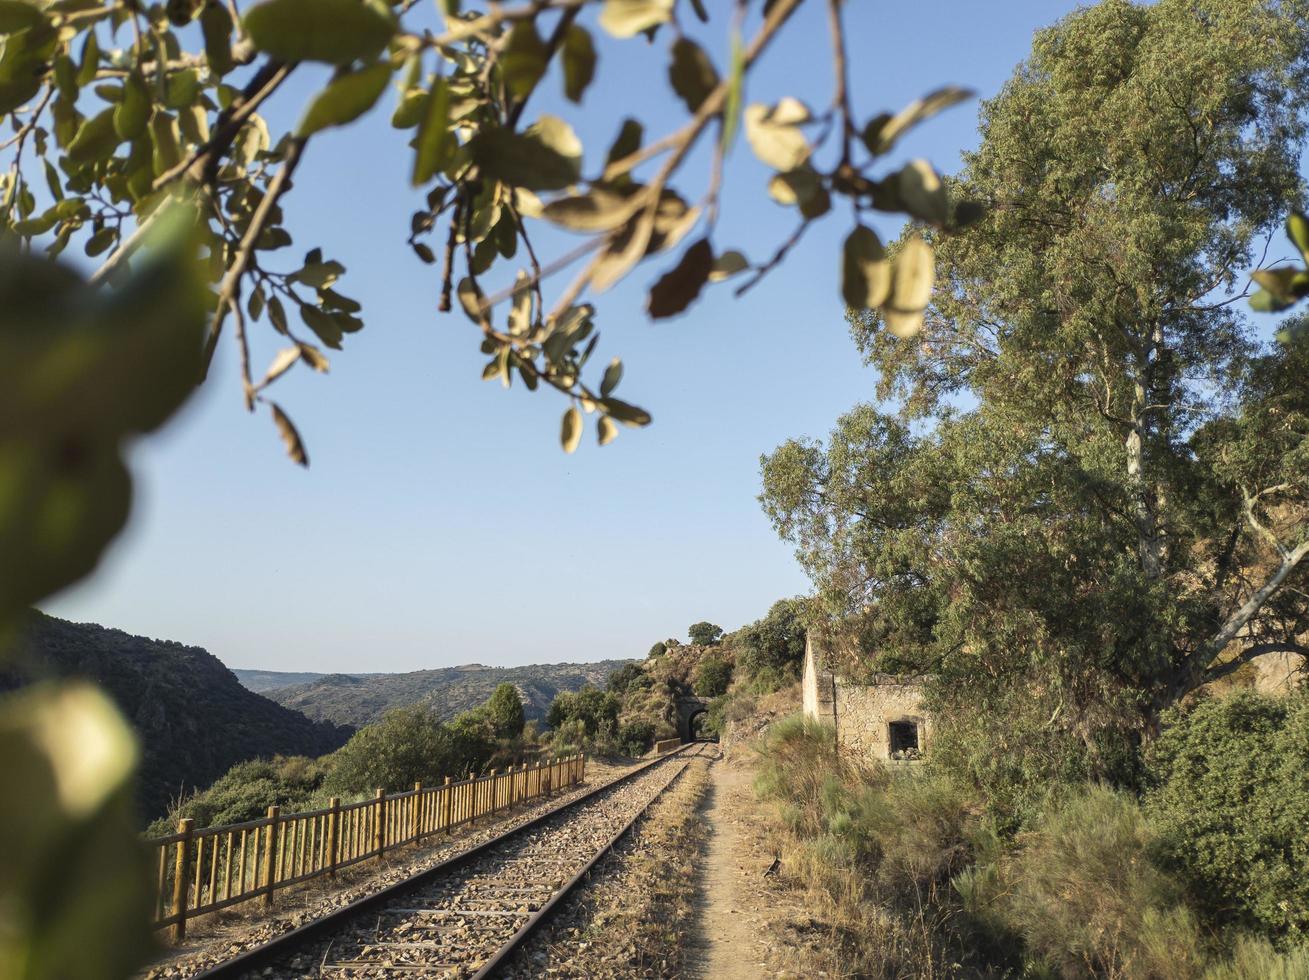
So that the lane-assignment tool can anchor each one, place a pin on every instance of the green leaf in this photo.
(865, 270)
(295, 447)
(90, 63)
(579, 62)
(332, 31)
(883, 131)
(66, 77)
(627, 18)
(911, 287)
(131, 114)
(570, 430)
(16, 16)
(627, 142)
(803, 187)
(727, 265)
(613, 374)
(327, 329)
(436, 142)
(629, 415)
(605, 430)
(216, 24)
(597, 210)
(167, 150)
(346, 98)
(95, 140)
(775, 141)
(1297, 229)
(523, 59)
(181, 89)
(409, 112)
(691, 73)
(923, 194)
(546, 157)
(679, 287)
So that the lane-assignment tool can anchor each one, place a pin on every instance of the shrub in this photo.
(406, 746)
(636, 737)
(712, 677)
(1231, 800)
(246, 791)
(593, 707)
(658, 650)
(1087, 897)
(504, 709)
(627, 677)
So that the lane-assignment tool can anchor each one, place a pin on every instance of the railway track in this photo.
(464, 917)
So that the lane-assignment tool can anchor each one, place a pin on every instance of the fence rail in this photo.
(205, 870)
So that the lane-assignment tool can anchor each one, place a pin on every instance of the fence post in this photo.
(417, 815)
(270, 855)
(333, 832)
(446, 802)
(545, 775)
(582, 777)
(182, 877)
(379, 828)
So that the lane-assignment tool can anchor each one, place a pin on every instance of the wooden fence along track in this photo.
(201, 871)
(465, 916)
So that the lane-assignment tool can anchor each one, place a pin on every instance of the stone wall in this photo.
(862, 714)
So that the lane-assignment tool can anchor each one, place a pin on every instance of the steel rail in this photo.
(532, 924)
(262, 955)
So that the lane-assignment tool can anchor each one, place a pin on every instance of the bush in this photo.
(658, 650)
(1231, 799)
(504, 709)
(1088, 898)
(246, 791)
(406, 746)
(593, 707)
(627, 677)
(635, 738)
(712, 677)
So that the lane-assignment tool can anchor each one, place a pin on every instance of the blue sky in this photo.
(440, 523)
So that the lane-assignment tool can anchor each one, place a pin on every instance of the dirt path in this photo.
(734, 929)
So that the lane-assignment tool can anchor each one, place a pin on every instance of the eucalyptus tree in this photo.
(1084, 494)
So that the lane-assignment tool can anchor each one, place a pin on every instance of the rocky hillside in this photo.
(194, 718)
(263, 681)
(357, 699)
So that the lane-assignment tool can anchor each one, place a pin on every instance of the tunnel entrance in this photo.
(696, 723)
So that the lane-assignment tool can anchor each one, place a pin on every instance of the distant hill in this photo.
(357, 699)
(194, 718)
(262, 681)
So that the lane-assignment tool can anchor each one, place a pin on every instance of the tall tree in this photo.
(1088, 484)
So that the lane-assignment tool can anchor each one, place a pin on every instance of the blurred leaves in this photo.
(333, 31)
(74, 886)
(80, 371)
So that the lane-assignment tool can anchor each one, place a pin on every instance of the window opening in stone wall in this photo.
(904, 740)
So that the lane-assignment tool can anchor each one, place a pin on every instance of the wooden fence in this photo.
(666, 745)
(205, 870)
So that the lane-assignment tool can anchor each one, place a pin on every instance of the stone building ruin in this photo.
(882, 719)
